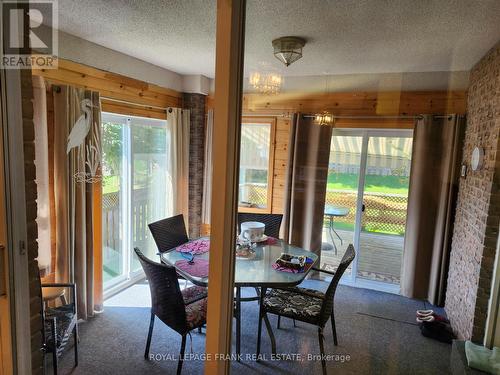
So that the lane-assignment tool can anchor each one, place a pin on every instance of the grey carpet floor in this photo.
(377, 335)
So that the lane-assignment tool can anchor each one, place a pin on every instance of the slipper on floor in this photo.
(428, 319)
(425, 312)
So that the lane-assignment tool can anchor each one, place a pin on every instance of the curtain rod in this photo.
(134, 104)
(369, 117)
(415, 117)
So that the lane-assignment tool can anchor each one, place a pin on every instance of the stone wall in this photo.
(196, 104)
(478, 207)
(31, 214)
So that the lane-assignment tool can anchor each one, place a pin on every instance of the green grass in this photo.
(373, 183)
(110, 184)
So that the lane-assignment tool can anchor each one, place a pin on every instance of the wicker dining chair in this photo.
(169, 233)
(182, 311)
(273, 225)
(306, 305)
(272, 222)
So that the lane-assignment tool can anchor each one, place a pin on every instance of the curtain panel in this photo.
(178, 124)
(207, 171)
(42, 176)
(435, 170)
(306, 181)
(77, 213)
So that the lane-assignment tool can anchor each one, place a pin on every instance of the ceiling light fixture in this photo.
(288, 49)
(266, 83)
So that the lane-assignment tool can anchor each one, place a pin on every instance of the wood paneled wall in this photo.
(119, 94)
(358, 103)
(280, 164)
(371, 104)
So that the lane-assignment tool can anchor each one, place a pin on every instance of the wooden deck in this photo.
(379, 256)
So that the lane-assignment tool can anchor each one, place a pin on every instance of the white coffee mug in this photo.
(252, 231)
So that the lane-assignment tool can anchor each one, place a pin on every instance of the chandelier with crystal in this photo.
(288, 49)
(266, 83)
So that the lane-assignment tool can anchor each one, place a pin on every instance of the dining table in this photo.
(255, 271)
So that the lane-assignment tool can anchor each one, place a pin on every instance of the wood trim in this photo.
(228, 101)
(370, 123)
(359, 103)
(111, 85)
(6, 365)
(132, 110)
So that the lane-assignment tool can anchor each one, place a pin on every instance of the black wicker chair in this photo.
(182, 311)
(272, 222)
(306, 305)
(59, 324)
(169, 233)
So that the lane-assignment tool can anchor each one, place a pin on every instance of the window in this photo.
(256, 164)
(137, 190)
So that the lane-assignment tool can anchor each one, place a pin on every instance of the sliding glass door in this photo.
(137, 190)
(366, 201)
(385, 199)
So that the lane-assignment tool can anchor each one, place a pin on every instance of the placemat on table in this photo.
(199, 268)
(196, 247)
(307, 266)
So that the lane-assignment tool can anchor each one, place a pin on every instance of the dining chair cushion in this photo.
(196, 313)
(193, 294)
(64, 320)
(298, 303)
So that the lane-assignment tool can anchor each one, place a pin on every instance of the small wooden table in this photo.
(256, 272)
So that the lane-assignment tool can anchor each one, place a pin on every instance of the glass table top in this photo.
(257, 271)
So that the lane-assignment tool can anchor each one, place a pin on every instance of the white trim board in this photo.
(492, 332)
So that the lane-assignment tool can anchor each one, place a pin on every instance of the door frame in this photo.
(365, 135)
(13, 142)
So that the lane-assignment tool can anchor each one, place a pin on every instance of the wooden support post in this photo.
(227, 114)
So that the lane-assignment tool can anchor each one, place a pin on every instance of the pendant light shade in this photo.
(288, 49)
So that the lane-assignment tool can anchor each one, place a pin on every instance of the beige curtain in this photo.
(207, 171)
(307, 174)
(42, 175)
(74, 199)
(435, 166)
(178, 123)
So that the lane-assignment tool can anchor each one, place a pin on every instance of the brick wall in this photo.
(478, 206)
(31, 213)
(196, 104)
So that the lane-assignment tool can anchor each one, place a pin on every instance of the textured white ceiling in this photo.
(343, 37)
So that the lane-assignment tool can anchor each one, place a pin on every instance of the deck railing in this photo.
(112, 223)
(385, 213)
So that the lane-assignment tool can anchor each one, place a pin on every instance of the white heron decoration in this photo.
(82, 126)
(90, 153)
